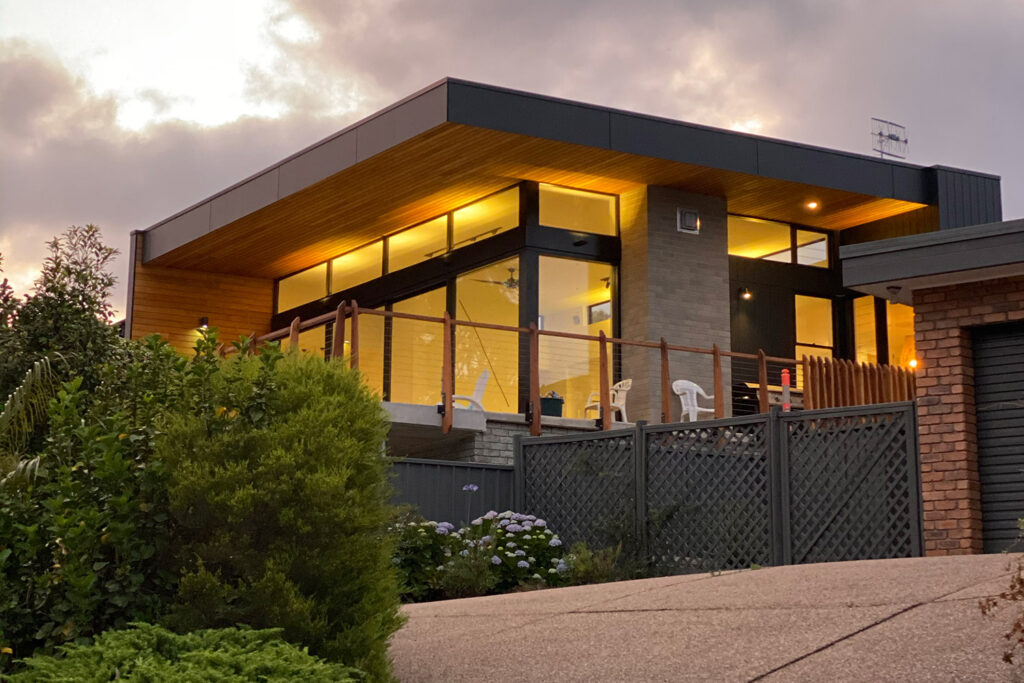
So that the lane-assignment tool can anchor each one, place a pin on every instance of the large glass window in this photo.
(416, 354)
(562, 207)
(356, 267)
(773, 241)
(760, 239)
(864, 335)
(415, 245)
(813, 326)
(575, 296)
(301, 288)
(487, 361)
(371, 349)
(485, 218)
(900, 331)
(311, 342)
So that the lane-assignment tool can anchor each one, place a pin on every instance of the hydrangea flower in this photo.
(520, 553)
(536, 576)
(518, 516)
(464, 553)
(442, 530)
(523, 564)
(486, 539)
(527, 537)
(562, 568)
(532, 518)
(495, 559)
(540, 522)
(472, 488)
(511, 544)
(507, 514)
(554, 542)
(504, 523)
(551, 571)
(513, 528)
(491, 514)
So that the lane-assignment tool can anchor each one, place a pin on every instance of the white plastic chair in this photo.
(688, 392)
(476, 400)
(618, 399)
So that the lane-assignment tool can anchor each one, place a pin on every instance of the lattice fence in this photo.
(777, 488)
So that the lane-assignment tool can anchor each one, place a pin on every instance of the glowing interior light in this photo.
(812, 205)
(913, 363)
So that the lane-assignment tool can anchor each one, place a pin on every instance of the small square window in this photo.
(688, 221)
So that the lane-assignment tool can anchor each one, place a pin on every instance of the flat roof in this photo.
(894, 268)
(436, 136)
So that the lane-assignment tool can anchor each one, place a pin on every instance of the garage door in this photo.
(999, 397)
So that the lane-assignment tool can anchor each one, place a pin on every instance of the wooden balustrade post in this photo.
(666, 405)
(447, 376)
(353, 347)
(338, 338)
(762, 381)
(293, 334)
(808, 384)
(605, 385)
(716, 355)
(534, 403)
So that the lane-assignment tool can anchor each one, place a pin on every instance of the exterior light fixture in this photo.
(812, 205)
(746, 294)
(204, 323)
(913, 364)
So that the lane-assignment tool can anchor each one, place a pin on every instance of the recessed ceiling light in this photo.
(812, 205)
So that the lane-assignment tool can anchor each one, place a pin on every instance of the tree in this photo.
(68, 316)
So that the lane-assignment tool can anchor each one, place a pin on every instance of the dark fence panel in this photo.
(436, 488)
(776, 488)
(853, 484)
(709, 495)
(584, 485)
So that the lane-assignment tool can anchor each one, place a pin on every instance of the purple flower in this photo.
(486, 539)
(472, 488)
(503, 522)
(540, 522)
(510, 544)
(523, 564)
(464, 553)
(442, 530)
(520, 553)
(518, 516)
(491, 514)
(554, 543)
(512, 528)
(477, 522)
(562, 568)
(495, 559)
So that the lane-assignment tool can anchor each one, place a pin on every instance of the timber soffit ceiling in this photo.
(455, 141)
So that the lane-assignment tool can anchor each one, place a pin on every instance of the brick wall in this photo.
(673, 285)
(951, 492)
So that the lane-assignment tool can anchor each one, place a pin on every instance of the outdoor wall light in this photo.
(204, 323)
(913, 364)
(812, 205)
(746, 294)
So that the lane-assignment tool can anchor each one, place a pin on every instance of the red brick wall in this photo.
(945, 393)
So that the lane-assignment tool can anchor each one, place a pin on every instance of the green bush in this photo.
(496, 553)
(279, 492)
(150, 653)
(83, 537)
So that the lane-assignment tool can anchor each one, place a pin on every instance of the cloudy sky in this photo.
(122, 112)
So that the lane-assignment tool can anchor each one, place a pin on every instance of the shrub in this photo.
(82, 534)
(495, 553)
(279, 489)
(151, 653)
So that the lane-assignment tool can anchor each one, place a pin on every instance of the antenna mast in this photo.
(889, 139)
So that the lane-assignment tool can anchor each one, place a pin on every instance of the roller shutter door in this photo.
(999, 398)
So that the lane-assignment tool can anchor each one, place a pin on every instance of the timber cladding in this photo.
(170, 302)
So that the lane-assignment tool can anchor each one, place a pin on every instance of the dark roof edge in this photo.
(290, 157)
(713, 129)
(935, 238)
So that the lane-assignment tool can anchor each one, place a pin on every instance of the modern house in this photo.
(511, 209)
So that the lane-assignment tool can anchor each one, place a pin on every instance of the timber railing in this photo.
(821, 383)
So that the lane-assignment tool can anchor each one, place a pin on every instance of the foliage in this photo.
(81, 542)
(68, 313)
(1015, 593)
(151, 653)
(279, 493)
(26, 408)
(588, 566)
(495, 553)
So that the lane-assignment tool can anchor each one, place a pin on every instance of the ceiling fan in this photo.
(511, 282)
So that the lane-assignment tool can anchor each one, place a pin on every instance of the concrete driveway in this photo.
(876, 620)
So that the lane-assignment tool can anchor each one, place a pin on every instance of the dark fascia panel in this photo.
(972, 248)
(522, 113)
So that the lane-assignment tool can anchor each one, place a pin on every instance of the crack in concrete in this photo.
(857, 632)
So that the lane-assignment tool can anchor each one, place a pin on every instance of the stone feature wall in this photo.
(672, 285)
(951, 492)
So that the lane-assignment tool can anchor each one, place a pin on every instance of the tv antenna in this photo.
(889, 139)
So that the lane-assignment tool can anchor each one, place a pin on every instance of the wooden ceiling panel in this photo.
(452, 165)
